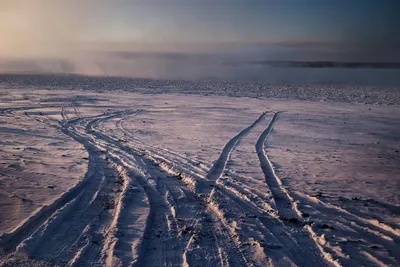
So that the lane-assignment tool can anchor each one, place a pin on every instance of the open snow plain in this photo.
(116, 178)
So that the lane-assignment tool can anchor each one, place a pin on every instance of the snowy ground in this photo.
(122, 178)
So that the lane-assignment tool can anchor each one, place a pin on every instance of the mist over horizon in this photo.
(191, 39)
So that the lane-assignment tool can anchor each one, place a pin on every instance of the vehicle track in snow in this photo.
(284, 203)
(54, 234)
(142, 204)
(100, 220)
(219, 165)
(154, 249)
(297, 253)
(283, 233)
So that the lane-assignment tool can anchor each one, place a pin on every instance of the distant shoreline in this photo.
(323, 64)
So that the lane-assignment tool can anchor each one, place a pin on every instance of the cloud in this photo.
(39, 28)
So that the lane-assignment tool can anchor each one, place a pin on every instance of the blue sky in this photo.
(244, 21)
(363, 27)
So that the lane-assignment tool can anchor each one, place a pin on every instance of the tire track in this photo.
(9, 242)
(160, 257)
(157, 236)
(219, 165)
(54, 234)
(180, 221)
(294, 251)
(284, 203)
(178, 158)
(306, 247)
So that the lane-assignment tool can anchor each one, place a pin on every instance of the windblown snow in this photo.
(117, 178)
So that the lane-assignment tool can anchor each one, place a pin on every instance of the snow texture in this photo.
(113, 173)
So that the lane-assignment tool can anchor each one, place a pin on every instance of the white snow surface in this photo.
(117, 178)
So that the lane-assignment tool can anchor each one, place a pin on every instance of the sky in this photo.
(365, 30)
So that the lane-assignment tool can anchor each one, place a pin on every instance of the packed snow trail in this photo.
(303, 250)
(284, 203)
(70, 223)
(159, 216)
(219, 165)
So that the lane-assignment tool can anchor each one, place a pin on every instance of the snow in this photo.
(289, 88)
(136, 177)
